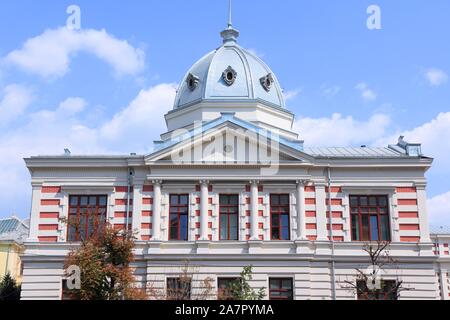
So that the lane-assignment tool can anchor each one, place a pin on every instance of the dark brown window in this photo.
(179, 212)
(229, 217)
(87, 217)
(279, 217)
(224, 288)
(370, 218)
(281, 289)
(179, 289)
(388, 291)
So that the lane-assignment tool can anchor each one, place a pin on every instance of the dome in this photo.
(229, 73)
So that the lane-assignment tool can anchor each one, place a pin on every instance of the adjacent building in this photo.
(230, 184)
(13, 233)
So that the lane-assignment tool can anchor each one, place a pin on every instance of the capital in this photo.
(157, 182)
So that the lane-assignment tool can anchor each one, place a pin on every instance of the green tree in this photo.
(9, 290)
(104, 262)
(240, 289)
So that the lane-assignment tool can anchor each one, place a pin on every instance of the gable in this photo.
(229, 143)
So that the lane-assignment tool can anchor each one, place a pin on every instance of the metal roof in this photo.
(250, 71)
(351, 152)
(440, 230)
(13, 229)
(8, 225)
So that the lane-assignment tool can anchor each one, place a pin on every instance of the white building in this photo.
(231, 185)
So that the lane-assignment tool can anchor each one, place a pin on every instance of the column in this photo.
(204, 196)
(254, 210)
(423, 213)
(156, 234)
(137, 208)
(443, 279)
(301, 219)
(35, 212)
(321, 209)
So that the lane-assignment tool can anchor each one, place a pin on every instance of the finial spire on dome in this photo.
(230, 34)
(230, 23)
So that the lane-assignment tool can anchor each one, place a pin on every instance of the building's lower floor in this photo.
(293, 276)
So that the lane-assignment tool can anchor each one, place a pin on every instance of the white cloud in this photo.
(49, 54)
(330, 92)
(439, 210)
(72, 106)
(341, 131)
(367, 94)
(142, 120)
(436, 77)
(291, 94)
(48, 132)
(15, 99)
(434, 136)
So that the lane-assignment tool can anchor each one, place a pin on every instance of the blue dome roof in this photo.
(229, 73)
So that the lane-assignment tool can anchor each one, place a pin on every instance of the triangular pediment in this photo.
(228, 143)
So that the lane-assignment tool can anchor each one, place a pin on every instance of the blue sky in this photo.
(348, 85)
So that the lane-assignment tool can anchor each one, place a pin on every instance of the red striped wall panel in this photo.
(334, 202)
(48, 227)
(409, 227)
(49, 215)
(310, 214)
(48, 239)
(123, 202)
(407, 202)
(51, 189)
(410, 239)
(336, 214)
(147, 213)
(336, 227)
(405, 214)
(147, 201)
(50, 202)
(147, 188)
(406, 190)
(122, 214)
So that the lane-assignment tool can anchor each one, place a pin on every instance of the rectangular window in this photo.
(370, 218)
(279, 217)
(388, 291)
(178, 289)
(179, 213)
(87, 217)
(229, 217)
(224, 288)
(281, 289)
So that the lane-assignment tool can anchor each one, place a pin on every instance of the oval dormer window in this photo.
(267, 82)
(192, 82)
(229, 76)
